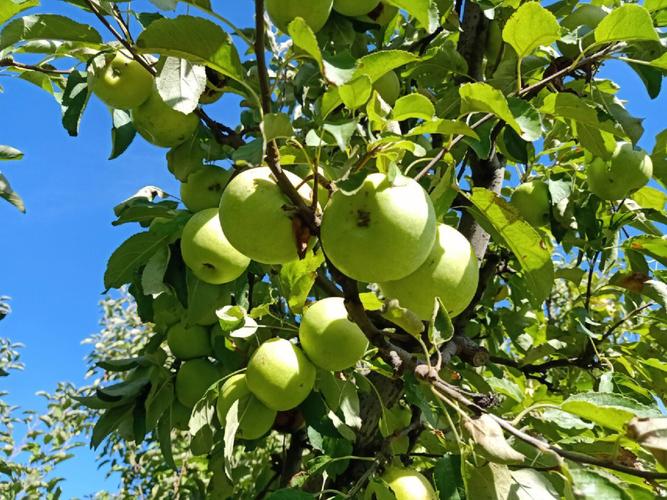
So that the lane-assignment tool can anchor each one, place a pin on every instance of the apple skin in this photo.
(389, 87)
(382, 232)
(450, 272)
(256, 418)
(314, 12)
(119, 81)
(161, 125)
(627, 171)
(280, 375)
(532, 201)
(193, 380)
(207, 252)
(354, 7)
(329, 339)
(381, 15)
(409, 484)
(189, 342)
(204, 187)
(253, 218)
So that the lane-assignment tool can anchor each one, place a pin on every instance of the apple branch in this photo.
(49, 70)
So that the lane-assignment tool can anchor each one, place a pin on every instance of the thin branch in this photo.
(222, 133)
(8, 62)
(610, 331)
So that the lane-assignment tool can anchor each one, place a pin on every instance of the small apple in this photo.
(280, 375)
(215, 83)
(203, 188)
(207, 252)
(627, 171)
(408, 484)
(189, 342)
(161, 125)
(314, 12)
(255, 419)
(450, 272)
(329, 339)
(383, 231)
(119, 81)
(354, 7)
(382, 14)
(254, 219)
(532, 201)
(389, 87)
(193, 379)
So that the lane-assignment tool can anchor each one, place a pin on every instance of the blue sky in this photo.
(53, 258)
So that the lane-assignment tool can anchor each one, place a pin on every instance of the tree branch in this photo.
(9, 62)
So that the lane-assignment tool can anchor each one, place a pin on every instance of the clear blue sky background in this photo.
(53, 258)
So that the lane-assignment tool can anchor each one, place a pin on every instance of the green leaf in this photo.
(588, 484)
(10, 153)
(164, 438)
(304, 38)
(122, 133)
(628, 23)
(290, 494)
(505, 225)
(130, 256)
(444, 127)
(527, 117)
(379, 63)
(195, 39)
(73, 101)
(573, 107)
(276, 125)
(606, 409)
(9, 8)
(202, 298)
(7, 193)
(109, 422)
(413, 106)
(440, 327)
(651, 433)
(180, 83)
(421, 10)
(530, 27)
(403, 317)
(445, 191)
(490, 482)
(48, 27)
(356, 92)
(653, 246)
(530, 484)
(447, 478)
(297, 279)
(482, 97)
(341, 132)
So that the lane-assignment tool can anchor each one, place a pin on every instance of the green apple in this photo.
(161, 125)
(627, 171)
(193, 379)
(382, 232)
(450, 272)
(329, 339)
(408, 484)
(354, 7)
(119, 81)
(254, 219)
(255, 419)
(207, 252)
(188, 342)
(280, 375)
(215, 83)
(532, 201)
(180, 416)
(382, 14)
(389, 87)
(314, 12)
(203, 188)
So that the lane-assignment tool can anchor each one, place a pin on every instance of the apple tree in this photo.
(426, 261)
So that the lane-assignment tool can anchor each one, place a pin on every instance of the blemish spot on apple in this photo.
(363, 218)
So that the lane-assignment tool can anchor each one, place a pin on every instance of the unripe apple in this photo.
(627, 171)
(314, 12)
(408, 484)
(207, 252)
(255, 419)
(254, 219)
(188, 342)
(354, 7)
(532, 201)
(450, 272)
(119, 81)
(161, 125)
(280, 375)
(382, 14)
(389, 87)
(193, 380)
(214, 84)
(329, 339)
(383, 231)
(203, 188)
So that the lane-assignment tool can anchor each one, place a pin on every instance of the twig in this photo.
(610, 331)
(8, 62)
(222, 133)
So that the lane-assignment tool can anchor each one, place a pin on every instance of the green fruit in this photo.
(354, 7)
(193, 380)
(214, 84)
(207, 252)
(450, 272)
(161, 125)
(255, 419)
(314, 12)
(180, 416)
(280, 375)
(531, 199)
(253, 216)
(203, 188)
(382, 232)
(382, 14)
(188, 342)
(329, 339)
(119, 81)
(627, 171)
(389, 87)
(409, 484)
